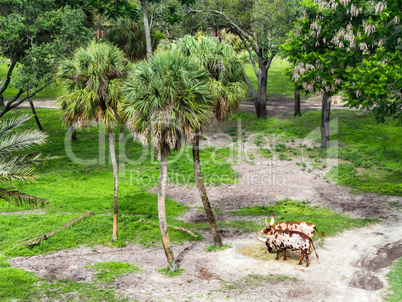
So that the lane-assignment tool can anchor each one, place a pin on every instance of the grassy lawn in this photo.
(369, 153)
(73, 188)
(278, 83)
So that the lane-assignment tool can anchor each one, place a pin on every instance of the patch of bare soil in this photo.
(351, 266)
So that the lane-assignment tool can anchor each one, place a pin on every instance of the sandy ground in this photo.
(351, 266)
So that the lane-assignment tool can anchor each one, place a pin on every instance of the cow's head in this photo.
(266, 241)
(268, 230)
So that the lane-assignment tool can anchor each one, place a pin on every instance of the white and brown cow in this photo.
(293, 240)
(300, 226)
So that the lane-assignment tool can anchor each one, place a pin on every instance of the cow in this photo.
(293, 240)
(301, 226)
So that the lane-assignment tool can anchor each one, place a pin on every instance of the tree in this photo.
(20, 167)
(34, 36)
(261, 25)
(225, 71)
(351, 45)
(91, 85)
(167, 98)
(129, 36)
(168, 13)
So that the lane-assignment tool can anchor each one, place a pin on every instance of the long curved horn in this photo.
(272, 220)
(266, 222)
(260, 239)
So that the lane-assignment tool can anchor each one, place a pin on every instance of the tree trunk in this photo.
(204, 197)
(261, 101)
(34, 113)
(161, 209)
(147, 29)
(116, 185)
(73, 132)
(297, 103)
(325, 114)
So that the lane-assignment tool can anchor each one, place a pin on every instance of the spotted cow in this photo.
(300, 226)
(282, 240)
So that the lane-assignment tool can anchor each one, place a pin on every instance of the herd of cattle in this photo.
(289, 235)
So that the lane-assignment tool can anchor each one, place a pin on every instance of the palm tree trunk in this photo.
(116, 185)
(161, 210)
(204, 197)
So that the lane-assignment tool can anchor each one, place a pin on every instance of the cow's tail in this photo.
(311, 241)
(323, 234)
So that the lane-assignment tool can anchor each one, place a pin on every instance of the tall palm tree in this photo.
(19, 167)
(91, 91)
(167, 98)
(225, 83)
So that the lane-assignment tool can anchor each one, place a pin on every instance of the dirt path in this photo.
(352, 265)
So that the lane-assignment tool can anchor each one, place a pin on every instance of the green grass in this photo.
(213, 248)
(73, 189)
(395, 282)
(167, 272)
(278, 83)
(369, 152)
(325, 220)
(17, 284)
(110, 271)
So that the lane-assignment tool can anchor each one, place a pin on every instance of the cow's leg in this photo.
(307, 259)
(309, 249)
(284, 254)
(277, 253)
(301, 259)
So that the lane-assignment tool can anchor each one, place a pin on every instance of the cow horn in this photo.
(272, 220)
(266, 223)
(259, 238)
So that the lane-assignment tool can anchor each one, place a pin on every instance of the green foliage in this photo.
(213, 248)
(394, 280)
(353, 46)
(35, 35)
(18, 167)
(325, 220)
(109, 271)
(167, 272)
(90, 84)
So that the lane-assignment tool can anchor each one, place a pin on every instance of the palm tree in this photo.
(91, 84)
(225, 72)
(167, 98)
(19, 167)
(129, 36)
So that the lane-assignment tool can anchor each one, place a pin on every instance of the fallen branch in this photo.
(37, 240)
(169, 226)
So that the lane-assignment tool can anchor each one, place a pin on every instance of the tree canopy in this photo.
(34, 36)
(350, 45)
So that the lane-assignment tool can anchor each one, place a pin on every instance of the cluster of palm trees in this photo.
(167, 99)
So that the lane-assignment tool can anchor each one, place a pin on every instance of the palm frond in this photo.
(6, 126)
(21, 141)
(20, 198)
